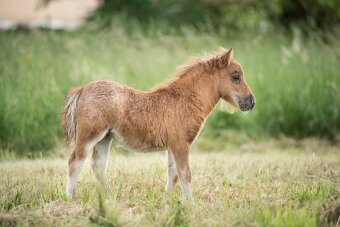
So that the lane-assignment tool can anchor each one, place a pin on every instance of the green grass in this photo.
(296, 81)
(291, 186)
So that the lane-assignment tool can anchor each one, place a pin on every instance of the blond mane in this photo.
(205, 64)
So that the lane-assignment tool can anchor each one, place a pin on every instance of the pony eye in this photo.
(235, 78)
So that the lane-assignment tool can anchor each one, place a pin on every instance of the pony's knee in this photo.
(185, 174)
(76, 158)
(172, 168)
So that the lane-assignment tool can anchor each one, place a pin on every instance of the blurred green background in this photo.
(290, 51)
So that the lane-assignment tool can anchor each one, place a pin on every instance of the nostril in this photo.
(252, 103)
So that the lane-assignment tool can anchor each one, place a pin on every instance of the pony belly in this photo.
(139, 147)
(136, 143)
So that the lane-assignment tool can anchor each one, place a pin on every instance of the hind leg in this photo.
(99, 160)
(77, 158)
(75, 163)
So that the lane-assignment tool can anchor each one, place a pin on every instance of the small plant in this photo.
(288, 217)
(104, 217)
(14, 201)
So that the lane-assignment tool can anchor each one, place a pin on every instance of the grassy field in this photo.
(239, 179)
(268, 183)
(295, 79)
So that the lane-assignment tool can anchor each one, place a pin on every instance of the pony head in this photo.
(232, 86)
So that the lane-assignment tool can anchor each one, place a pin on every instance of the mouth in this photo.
(246, 103)
(246, 107)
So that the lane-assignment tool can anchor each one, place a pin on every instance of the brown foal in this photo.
(169, 117)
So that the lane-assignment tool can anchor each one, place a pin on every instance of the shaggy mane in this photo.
(204, 63)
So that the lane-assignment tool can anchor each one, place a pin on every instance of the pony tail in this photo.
(69, 116)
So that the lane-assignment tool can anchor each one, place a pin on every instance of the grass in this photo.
(295, 80)
(272, 183)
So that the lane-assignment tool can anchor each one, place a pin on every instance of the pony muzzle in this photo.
(246, 103)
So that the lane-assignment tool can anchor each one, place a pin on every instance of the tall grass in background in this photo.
(296, 81)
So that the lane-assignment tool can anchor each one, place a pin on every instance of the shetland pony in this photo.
(169, 117)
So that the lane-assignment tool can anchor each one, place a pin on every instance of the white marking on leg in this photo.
(186, 190)
(72, 179)
(185, 181)
(99, 161)
(172, 172)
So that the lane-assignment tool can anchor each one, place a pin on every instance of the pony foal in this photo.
(169, 117)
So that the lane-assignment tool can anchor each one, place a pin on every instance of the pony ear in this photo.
(222, 49)
(226, 57)
(221, 60)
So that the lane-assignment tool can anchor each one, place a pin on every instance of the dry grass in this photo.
(289, 184)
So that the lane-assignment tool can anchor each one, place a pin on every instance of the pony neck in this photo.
(199, 88)
(206, 90)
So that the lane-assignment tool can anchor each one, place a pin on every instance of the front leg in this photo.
(172, 175)
(180, 153)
